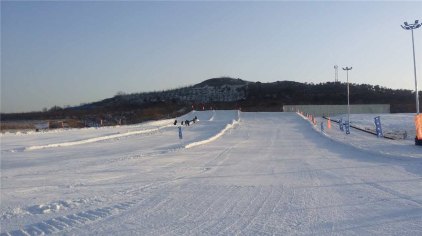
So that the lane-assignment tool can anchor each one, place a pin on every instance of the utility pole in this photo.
(411, 27)
(348, 100)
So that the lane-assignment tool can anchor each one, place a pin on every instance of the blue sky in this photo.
(67, 53)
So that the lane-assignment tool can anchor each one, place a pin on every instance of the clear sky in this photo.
(67, 53)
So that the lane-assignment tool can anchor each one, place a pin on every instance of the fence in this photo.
(330, 110)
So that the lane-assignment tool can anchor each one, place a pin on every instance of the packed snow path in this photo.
(267, 173)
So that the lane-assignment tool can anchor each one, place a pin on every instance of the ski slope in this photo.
(233, 173)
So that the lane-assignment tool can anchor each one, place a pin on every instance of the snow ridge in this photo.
(97, 139)
(221, 133)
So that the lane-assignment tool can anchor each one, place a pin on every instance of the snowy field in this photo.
(232, 174)
(398, 126)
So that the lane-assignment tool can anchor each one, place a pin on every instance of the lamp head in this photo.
(408, 26)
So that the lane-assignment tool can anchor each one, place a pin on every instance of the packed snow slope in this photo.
(232, 174)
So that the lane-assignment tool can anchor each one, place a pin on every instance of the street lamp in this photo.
(348, 100)
(412, 27)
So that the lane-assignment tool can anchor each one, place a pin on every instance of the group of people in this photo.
(186, 122)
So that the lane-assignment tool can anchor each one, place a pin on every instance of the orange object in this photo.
(329, 123)
(418, 124)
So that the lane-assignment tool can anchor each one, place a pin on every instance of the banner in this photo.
(378, 128)
(418, 124)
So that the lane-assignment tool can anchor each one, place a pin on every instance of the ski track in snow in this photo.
(261, 178)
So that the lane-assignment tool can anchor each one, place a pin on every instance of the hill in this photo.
(222, 81)
(218, 93)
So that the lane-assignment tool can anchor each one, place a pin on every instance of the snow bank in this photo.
(221, 133)
(91, 140)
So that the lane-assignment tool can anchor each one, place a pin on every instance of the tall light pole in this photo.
(335, 73)
(412, 27)
(348, 100)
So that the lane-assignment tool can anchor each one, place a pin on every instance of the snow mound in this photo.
(218, 135)
(91, 140)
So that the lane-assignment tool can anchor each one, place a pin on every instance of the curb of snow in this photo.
(221, 133)
(91, 140)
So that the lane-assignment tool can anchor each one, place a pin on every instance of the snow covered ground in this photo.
(393, 125)
(233, 173)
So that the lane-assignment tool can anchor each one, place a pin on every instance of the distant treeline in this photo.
(277, 94)
(254, 96)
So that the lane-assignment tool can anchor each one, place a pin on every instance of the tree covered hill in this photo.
(289, 93)
(222, 93)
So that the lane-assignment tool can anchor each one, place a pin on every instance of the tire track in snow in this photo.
(223, 215)
(214, 218)
(223, 154)
(67, 222)
(204, 215)
(232, 217)
(252, 212)
(194, 210)
(47, 208)
(258, 222)
(394, 193)
(220, 158)
(188, 218)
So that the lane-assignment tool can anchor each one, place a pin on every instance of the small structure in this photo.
(42, 126)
